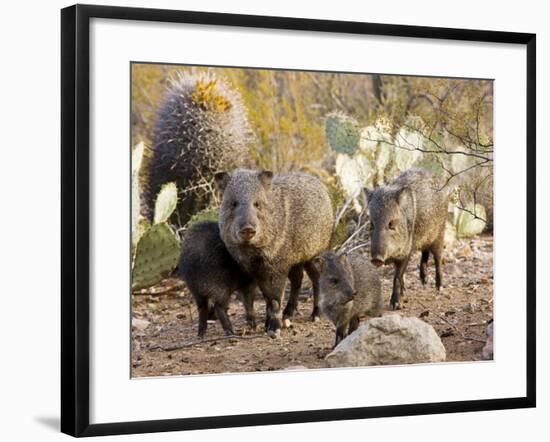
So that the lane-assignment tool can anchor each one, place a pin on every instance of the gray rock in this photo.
(487, 351)
(389, 340)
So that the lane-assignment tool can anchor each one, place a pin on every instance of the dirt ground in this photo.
(164, 319)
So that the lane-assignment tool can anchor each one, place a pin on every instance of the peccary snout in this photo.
(247, 232)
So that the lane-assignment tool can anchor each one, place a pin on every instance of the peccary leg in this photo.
(340, 333)
(211, 313)
(313, 275)
(295, 275)
(398, 284)
(353, 324)
(437, 250)
(202, 306)
(249, 293)
(423, 265)
(221, 313)
(273, 289)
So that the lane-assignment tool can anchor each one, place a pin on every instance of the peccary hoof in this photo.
(273, 326)
(251, 322)
(315, 318)
(289, 312)
(287, 323)
(274, 334)
(395, 305)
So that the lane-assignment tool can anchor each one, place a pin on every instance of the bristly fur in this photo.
(292, 218)
(408, 215)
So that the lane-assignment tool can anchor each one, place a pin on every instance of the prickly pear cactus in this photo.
(166, 203)
(376, 145)
(137, 157)
(342, 133)
(353, 173)
(156, 256)
(208, 214)
(157, 248)
(470, 222)
(407, 143)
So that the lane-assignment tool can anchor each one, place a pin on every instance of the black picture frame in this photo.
(75, 213)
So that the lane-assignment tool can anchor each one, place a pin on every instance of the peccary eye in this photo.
(391, 225)
(257, 205)
(334, 281)
(234, 204)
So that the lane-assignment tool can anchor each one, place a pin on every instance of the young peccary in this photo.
(350, 287)
(273, 227)
(408, 215)
(212, 275)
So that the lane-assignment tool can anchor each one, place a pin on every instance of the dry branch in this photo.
(460, 332)
(203, 341)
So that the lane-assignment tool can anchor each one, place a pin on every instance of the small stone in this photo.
(487, 351)
(140, 324)
(465, 252)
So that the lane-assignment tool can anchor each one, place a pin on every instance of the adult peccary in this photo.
(350, 287)
(212, 275)
(408, 215)
(273, 227)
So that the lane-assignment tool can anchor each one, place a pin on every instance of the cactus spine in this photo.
(201, 128)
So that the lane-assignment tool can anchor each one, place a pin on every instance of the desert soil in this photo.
(164, 321)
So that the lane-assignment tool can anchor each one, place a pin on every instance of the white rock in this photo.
(140, 324)
(487, 351)
(389, 340)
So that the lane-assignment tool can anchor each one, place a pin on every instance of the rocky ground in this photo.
(164, 322)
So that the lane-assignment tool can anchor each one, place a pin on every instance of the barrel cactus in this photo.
(157, 249)
(201, 128)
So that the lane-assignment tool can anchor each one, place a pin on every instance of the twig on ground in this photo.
(156, 291)
(465, 337)
(203, 341)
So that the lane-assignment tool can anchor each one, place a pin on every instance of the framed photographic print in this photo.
(278, 212)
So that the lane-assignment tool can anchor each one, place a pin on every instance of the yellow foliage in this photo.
(205, 96)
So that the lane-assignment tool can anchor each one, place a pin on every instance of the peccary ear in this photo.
(265, 177)
(368, 193)
(222, 178)
(404, 196)
(343, 259)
